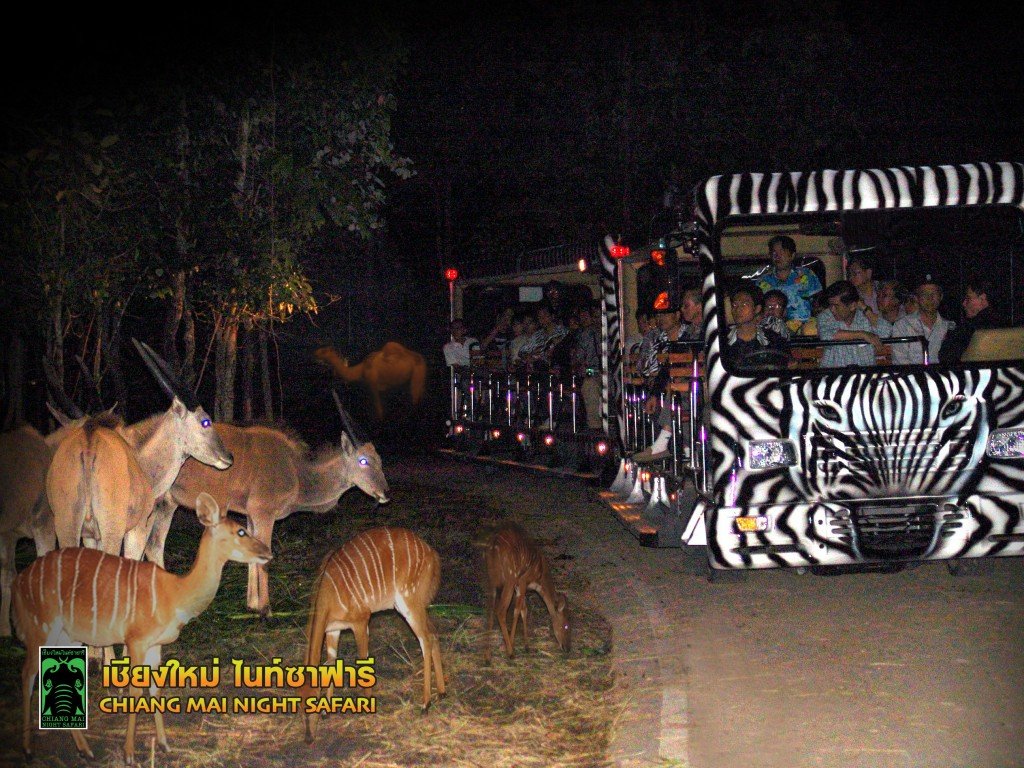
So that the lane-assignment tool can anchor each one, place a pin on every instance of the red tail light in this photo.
(661, 301)
(658, 257)
(619, 251)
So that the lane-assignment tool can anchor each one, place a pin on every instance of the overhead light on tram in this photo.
(581, 265)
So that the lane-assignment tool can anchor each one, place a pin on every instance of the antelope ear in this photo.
(207, 510)
(58, 414)
(346, 444)
(179, 408)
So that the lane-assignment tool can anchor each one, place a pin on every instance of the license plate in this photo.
(756, 524)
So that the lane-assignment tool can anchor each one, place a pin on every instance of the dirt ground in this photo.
(767, 668)
(542, 708)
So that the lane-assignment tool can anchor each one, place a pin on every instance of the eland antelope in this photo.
(105, 478)
(274, 475)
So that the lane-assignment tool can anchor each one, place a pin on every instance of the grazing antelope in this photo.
(105, 478)
(75, 596)
(376, 570)
(390, 366)
(514, 564)
(273, 476)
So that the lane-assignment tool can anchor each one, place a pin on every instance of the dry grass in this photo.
(542, 708)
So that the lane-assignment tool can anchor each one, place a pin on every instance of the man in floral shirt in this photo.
(798, 283)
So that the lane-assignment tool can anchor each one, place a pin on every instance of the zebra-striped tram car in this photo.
(819, 459)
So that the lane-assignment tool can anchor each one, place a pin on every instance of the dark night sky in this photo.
(921, 84)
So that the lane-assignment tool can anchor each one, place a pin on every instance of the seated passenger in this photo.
(890, 301)
(668, 328)
(691, 312)
(844, 321)
(524, 326)
(774, 315)
(747, 338)
(537, 351)
(925, 322)
(818, 305)
(860, 268)
(462, 350)
(586, 364)
(798, 283)
(496, 343)
(979, 312)
(631, 352)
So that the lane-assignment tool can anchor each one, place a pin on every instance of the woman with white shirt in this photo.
(925, 322)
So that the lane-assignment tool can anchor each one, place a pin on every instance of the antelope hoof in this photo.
(28, 756)
(425, 709)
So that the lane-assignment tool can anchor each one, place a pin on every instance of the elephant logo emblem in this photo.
(63, 687)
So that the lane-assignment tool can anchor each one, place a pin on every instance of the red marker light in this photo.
(601, 448)
(549, 439)
(495, 433)
(658, 257)
(661, 301)
(451, 274)
(619, 251)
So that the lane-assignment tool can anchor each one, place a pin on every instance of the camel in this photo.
(390, 366)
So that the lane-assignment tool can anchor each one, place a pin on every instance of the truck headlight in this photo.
(768, 454)
(1006, 444)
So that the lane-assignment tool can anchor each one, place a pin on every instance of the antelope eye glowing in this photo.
(205, 423)
(242, 533)
(363, 461)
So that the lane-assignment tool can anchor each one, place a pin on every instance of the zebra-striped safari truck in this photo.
(852, 454)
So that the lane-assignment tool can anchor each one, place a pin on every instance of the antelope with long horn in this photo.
(514, 563)
(105, 478)
(76, 596)
(378, 569)
(274, 475)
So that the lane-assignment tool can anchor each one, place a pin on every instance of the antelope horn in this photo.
(66, 403)
(346, 421)
(163, 375)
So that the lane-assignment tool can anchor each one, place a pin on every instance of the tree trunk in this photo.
(115, 372)
(172, 321)
(224, 370)
(101, 347)
(268, 392)
(248, 365)
(188, 362)
(15, 381)
(55, 337)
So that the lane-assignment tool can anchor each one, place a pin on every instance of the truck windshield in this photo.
(871, 289)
